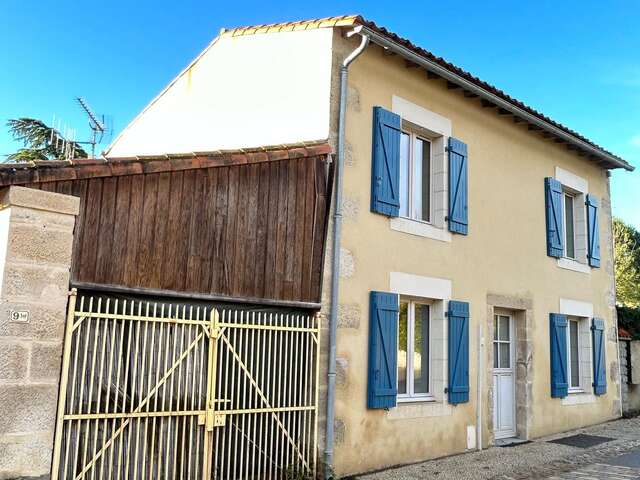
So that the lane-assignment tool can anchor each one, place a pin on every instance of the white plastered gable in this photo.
(240, 92)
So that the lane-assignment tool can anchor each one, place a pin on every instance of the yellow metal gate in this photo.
(166, 390)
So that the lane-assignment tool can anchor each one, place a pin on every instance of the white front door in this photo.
(504, 405)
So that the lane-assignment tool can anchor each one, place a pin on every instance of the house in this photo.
(475, 294)
(467, 292)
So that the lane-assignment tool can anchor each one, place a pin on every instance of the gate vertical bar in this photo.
(210, 403)
(317, 390)
(62, 398)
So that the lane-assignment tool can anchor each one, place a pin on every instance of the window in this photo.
(569, 226)
(415, 177)
(414, 350)
(572, 215)
(573, 341)
(502, 341)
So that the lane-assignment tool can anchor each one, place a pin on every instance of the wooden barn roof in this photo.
(76, 169)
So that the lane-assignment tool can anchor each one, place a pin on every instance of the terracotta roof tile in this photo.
(622, 333)
(329, 22)
(49, 171)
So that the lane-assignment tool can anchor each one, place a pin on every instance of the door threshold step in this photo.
(511, 442)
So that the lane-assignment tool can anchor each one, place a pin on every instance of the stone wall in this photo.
(624, 373)
(629, 384)
(36, 234)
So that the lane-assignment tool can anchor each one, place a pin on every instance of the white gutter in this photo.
(434, 67)
(335, 263)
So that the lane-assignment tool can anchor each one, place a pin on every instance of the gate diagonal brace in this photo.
(139, 408)
(214, 332)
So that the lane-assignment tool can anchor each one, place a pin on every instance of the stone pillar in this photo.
(36, 236)
(624, 373)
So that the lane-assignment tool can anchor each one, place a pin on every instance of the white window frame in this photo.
(577, 187)
(411, 396)
(437, 129)
(583, 312)
(511, 342)
(574, 201)
(414, 135)
(580, 387)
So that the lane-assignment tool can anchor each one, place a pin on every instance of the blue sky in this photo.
(576, 61)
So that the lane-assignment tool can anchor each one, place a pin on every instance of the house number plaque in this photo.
(19, 316)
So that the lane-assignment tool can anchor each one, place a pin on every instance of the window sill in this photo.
(428, 398)
(574, 265)
(578, 398)
(409, 410)
(420, 229)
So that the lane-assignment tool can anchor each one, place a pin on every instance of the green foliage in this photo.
(627, 263)
(37, 138)
(629, 319)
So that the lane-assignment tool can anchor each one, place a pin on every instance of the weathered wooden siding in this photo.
(254, 230)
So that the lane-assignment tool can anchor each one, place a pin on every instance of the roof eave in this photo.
(606, 159)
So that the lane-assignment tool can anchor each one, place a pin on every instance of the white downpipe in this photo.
(480, 368)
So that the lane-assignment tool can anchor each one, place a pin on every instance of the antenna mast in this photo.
(97, 126)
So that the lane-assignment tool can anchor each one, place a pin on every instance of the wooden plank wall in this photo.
(254, 230)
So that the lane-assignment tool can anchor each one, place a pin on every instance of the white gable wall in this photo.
(245, 91)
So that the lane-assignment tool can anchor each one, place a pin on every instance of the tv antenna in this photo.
(96, 124)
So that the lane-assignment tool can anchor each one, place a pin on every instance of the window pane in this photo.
(421, 349)
(574, 345)
(404, 174)
(402, 349)
(505, 356)
(495, 327)
(422, 180)
(495, 355)
(503, 331)
(569, 227)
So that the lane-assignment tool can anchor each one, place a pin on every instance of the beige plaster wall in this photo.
(36, 236)
(504, 254)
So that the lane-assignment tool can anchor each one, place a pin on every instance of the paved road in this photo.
(617, 459)
(623, 467)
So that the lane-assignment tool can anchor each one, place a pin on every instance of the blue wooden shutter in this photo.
(383, 350)
(458, 315)
(553, 203)
(599, 365)
(458, 187)
(385, 171)
(558, 329)
(593, 252)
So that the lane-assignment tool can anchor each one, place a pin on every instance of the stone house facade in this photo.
(467, 293)
(472, 289)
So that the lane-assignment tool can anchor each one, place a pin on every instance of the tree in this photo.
(627, 263)
(40, 141)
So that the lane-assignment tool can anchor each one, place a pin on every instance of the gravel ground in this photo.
(538, 459)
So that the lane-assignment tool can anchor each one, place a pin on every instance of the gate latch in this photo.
(211, 419)
(219, 420)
